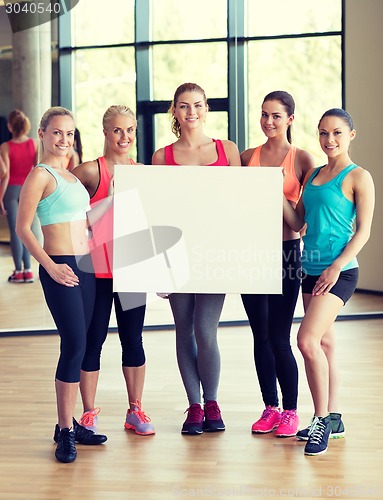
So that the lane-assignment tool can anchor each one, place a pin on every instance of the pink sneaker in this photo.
(289, 424)
(269, 420)
(89, 419)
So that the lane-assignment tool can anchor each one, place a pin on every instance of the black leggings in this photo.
(130, 313)
(270, 318)
(71, 309)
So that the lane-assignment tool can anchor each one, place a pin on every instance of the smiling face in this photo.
(335, 136)
(58, 136)
(120, 133)
(275, 119)
(190, 110)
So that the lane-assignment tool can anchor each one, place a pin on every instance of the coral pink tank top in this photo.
(102, 231)
(291, 185)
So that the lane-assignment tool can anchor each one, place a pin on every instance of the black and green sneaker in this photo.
(319, 435)
(337, 428)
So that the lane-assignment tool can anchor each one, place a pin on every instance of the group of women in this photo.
(78, 280)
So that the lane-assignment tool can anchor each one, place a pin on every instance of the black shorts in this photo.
(343, 288)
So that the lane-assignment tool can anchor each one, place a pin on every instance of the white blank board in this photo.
(197, 229)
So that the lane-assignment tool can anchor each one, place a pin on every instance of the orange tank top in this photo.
(291, 185)
(102, 230)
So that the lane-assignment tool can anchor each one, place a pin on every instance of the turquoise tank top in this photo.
(68, 202)
(329, 216)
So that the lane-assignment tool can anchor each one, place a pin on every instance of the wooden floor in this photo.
(233, 463)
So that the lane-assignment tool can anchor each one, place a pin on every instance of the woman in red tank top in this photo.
(19, 156)
(196, 316)
(119, 127)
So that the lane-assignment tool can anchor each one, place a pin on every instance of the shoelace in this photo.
(87, 418)
(267, 413)
(194, 413)
(140, 413)
(316, 431)
(213, 412)
(286, 417)
(67, 441)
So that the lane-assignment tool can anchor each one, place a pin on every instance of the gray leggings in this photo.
(21, 256)
(196, 318)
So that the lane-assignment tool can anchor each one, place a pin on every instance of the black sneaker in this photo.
(319, 434)
(337, 428)
(82, 435)
(66, 448)
(213, 421)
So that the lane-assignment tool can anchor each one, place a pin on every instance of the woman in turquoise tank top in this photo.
(333, 197)
(66, 272)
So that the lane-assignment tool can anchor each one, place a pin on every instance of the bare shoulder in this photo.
(361, 178)
(246, 156)
(158, 157)
(305, 160)
(232, 152)
(86, 170)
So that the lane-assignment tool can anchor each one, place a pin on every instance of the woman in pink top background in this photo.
(20, 156)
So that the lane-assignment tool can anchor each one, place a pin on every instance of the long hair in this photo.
(185, 87)
(287, 102)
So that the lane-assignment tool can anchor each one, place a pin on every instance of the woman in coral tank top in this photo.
(271, 316)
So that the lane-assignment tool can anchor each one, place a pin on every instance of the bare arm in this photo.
(4, 174)
(232, 153)
(159, 157)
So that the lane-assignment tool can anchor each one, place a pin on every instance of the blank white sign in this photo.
(197, 229)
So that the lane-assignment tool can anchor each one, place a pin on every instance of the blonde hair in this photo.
(185, 87)
(52, 112)
(116, 110)
(47, 117)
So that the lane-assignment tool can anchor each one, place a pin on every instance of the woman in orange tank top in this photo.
(271, 316)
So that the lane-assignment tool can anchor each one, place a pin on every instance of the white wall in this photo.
(364, 101)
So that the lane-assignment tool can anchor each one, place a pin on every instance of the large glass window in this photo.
(200, 19)
(202, 63)
(103, 77)
(309, 69)
(282, 17)
(103, 23)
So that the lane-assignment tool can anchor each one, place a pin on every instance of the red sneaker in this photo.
(16, 277)
(28, 276)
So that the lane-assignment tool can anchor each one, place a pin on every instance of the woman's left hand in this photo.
(326, 281)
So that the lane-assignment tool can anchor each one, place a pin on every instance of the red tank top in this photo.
(102, 231)
(291, 185)
(220, 161)
(22, 158)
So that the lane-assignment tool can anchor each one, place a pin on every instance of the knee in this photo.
(307, 347)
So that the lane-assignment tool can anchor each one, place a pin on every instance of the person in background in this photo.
(271, 316)
(334, 196)
(119, 125)
(19, 155)
(65, 271)
(196, 316)
(75, 154)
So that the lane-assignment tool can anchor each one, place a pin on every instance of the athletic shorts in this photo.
(343, 288)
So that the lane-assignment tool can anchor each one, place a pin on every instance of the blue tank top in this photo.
(329, 216)
(68, 202)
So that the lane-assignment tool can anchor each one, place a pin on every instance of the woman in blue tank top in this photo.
(65, 271)
(334, 196)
